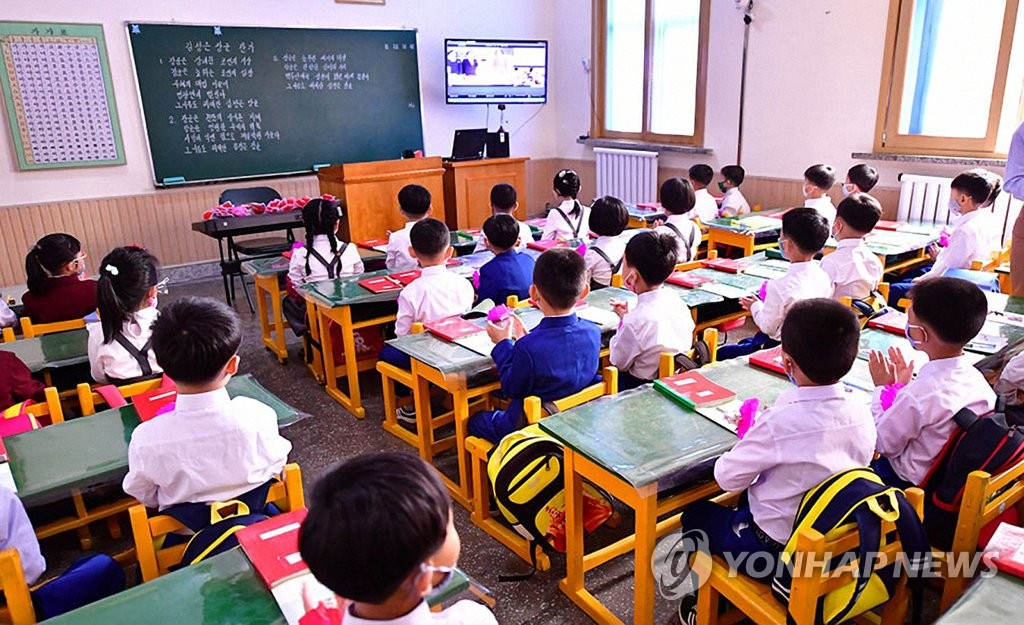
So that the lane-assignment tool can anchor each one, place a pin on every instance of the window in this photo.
(951, 82)
(650, 58)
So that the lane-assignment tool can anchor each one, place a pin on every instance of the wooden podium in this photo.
(369, 193)
(467, 189)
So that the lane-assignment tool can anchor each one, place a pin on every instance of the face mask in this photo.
(722, 187)
(791, 378)
(846, 190)
(954, 207)
(913, 342)
(805, 191)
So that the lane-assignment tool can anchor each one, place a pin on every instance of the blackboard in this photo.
(224, 102)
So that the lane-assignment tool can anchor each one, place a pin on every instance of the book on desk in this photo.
(728, 265)
(770, 359)
(693, 390)
(892, 321)
(377, 245)
(687, 279)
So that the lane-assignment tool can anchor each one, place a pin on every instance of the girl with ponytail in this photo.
(569, 219)
(324, 257)
(57, 287)
(119, 350)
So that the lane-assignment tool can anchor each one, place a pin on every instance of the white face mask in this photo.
(846, 190)
(954, 207)
(805, 191)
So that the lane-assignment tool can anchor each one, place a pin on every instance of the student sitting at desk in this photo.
(504, 202)
(57, 287)
(414, 203)
(126, 291)
(678, 201)
(818, 179)
(813, 431)
(16, 382)
(860, 179)
(733, 204)
(210, 447)
(854, 269)
(380, 533)
(608, 219)
(705, 208)
(324, 257)
(568, 220)
(944, 315)
(510, 272)
(558, 358)
(660, 322)
(804, 232)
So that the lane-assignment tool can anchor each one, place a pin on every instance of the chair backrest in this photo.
(985, 498)
(15, 589)
(88, 398)
(249, 195)
(609, 385)
(31, 330)
(667, 365)
(50, 407)
(926, 199)
(8, 335)
(286, 494)
(696, 264)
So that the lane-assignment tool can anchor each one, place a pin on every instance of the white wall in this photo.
(434, 19)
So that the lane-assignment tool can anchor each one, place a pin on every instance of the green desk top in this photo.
(752, 223)
(278, 265)
(737, 280)
(695, 297)
(347, 292)
(748, 381)
(51, 351)
(998, 599)
(93, 451)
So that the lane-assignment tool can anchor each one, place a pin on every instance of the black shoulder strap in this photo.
(613, 266)
(332, 267)
(141, 356)
(689, 244)
(965, 418)
(578, 225)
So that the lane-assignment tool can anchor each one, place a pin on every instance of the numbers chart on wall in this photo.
(58, 95)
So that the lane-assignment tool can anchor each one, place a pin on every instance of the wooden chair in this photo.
(667, 364)
(19, 610)
(883, 290)
(754, 599)
(31, 330)
(9, 336)
(88, 398)
(696, 264)
(995, 259)
(49, 407)
(153, 562)
(479, 450)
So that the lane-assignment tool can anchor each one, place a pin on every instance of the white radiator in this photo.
(926, 198)
(630, 175)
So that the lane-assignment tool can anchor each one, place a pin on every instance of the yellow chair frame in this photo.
(9, 336)
(88, 398)
(286, 494)
(15, 589)
(667, 362)
(31, 330)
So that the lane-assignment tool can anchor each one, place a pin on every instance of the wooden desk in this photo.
(51, 351)
(998, 599)
(749, 233)
(467, 189)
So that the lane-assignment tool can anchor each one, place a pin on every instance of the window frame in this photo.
(600, 34)
(893, 82)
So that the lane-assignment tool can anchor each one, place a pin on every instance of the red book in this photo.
(728, 265)
(157, 401)
(1006, 548)
(273, 547)
(372, 243)
(694, 390)
(770, 359)
(545, 244)
(287, 254)
(893, 321)
(406, 277)
(687, 279)
(649, 206)
(885, 224)
(452, 328)
(381, 284)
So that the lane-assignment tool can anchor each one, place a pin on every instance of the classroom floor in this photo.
(331, 434)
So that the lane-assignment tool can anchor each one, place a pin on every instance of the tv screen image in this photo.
(491, 71)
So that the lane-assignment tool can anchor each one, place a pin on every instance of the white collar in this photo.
(967, 217)
(854, 242)
(202, 401)
(800, 267)
(811, 393)
(419, 614)
(433, 270)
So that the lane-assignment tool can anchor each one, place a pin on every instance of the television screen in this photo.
(487, 71)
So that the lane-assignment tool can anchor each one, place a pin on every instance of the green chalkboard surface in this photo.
(226, 102)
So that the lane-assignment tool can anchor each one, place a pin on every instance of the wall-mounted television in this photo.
(492, 71)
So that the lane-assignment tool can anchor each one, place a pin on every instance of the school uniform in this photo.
(854, 270)
(660, 323)
(209, 448)
(1011, 380)
(687, 235)
(464, 612)
(16, 381)
(7, 316)
(525, 237)
(913, 431)
(16, 532)
(398, 257)
(508, 273)
(734, 204)
(66, 298)
(568, 220)
(323, 264)
(824, 206)
(558, 358)
(603, 259)
(706, 207)
(128, 357)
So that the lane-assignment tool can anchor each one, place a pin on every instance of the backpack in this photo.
(16, 419)
(701, 356)
(983, 443)
(858, 498)
(527, 476)
(870, 307)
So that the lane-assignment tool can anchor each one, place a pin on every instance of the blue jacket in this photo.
(508, 273)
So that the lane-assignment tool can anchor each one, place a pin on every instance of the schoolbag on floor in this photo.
(527, 476)
(984, 443)
(858, 498)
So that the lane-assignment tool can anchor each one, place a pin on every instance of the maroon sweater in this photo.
(66, 298)
(16, 382)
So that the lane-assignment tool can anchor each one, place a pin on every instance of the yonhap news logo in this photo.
(673, 561)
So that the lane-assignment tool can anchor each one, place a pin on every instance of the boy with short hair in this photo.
(414, 203)
(504, 202)
(705, 207)
(556, 359)
(818, 179)
(211, 447)
(510, 272)
(733, 204)
(380, 533)
(804, 232)
(677, 199)
(812, 432)
(854, 269)
(944, 315)
(608, 219)
(860, 179)
(660, 322)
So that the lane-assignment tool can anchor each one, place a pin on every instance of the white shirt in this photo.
(853, 269)
(525, 238)
(660, 323)
(824, 206)
(802, 281)
(556, 227)
(464, 612)
(350, 264)
(689, 233)
(974, 237)
(913, 431)
(706, 208)
(734, 203)
(16, 533)
(209, 448)
(398, 257)
(436, 294)
(111, 360)
(7, 316)
(809, 435)
(598, 269)
(1011, 381)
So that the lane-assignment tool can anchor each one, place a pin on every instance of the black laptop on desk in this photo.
(468, 145)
